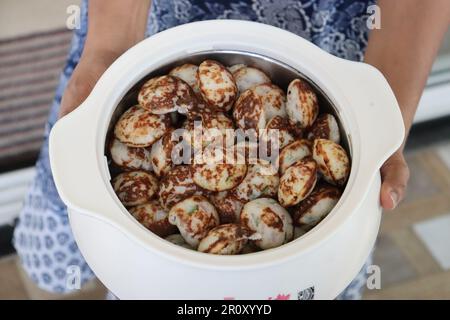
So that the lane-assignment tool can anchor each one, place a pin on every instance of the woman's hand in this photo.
(395, 176)
(404, 50)
(91, 66)
(113, 27)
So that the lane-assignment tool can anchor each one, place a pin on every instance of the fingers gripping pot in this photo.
(134, 263)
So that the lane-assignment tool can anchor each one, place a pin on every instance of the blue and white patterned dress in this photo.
(43, 237)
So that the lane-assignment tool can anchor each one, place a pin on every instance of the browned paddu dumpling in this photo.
(188, 73)
(218, 172)
(297, 182)
(217, 86)
(332, 160)
(178, 240)
(269, 220)
(214, 128)
(129, 158)
(302, 105)
(316, 206)
(325, 127)
(176, 185)
(248, 152)
(249, 111)
(226, 239)
(152, 216)
(161, 154)
(140, 128)
(194, 217)
(248, 77)
(228, 206)
(166, 94)
(273, 100)
(135, 187)
(261, 180)
(277, 127)
(297, 150)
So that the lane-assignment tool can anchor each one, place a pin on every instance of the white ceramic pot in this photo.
(134, 263)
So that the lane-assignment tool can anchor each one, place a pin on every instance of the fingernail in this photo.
(394, 198)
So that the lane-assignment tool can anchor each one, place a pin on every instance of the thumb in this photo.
(394, 176)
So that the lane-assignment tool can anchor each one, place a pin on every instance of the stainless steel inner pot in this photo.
(280, 73)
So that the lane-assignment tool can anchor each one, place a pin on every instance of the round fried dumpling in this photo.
(325, 127)
(152, 216)
(248, 77)
(129, 158)
(178, 240)
(194, 217)
(293, 152)
(226, 239)
(135, 187)
(297, 182)
(165, 94)
(218, 172)
(228, 206)
(277, 127)
(249, 111)
(176, 185)
(332, 160)
(302, 104)
(269, 220)
(188, 73)
(140, 128)
(209, 128)
(161, 154)
(273, 100)
(261, 180)
(316, 206)
(217, 86)
(248, 152)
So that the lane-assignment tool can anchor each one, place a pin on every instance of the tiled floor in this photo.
(444, 152)
(436, 237)
(413, 249)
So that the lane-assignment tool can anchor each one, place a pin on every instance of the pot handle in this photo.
(379, 127)
(376, 112)
(80, 184)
